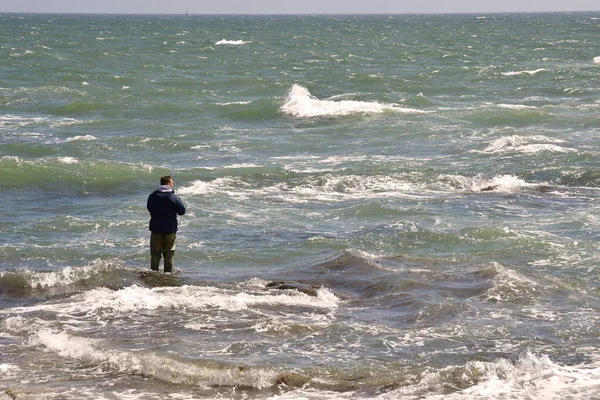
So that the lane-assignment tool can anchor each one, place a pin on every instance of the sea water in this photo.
(432, 179)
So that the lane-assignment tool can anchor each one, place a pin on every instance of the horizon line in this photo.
(299, 14)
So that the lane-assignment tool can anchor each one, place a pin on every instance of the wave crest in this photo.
(300, 103)
(157, 366)
(230, 42)
(527, 145)
(531, 376)
(63, 280)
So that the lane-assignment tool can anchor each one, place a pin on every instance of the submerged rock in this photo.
(535, 188)
(300, 287)
(8, 394)
(489, 188)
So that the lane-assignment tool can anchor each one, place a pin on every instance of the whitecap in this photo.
(63, 276)
(510, 286)
(234, 103)
(4, 368)
(597, 60)
(539, 148)
(330, 188)
(530, 377)
(85, 138)
(517, 107)
(149, 364)
(501, 183)
(527, 145)
(132, 299)
(68, 160)
(524, 72)
(300, 103)
(199, 187)
(230, 42)
(21, 121)
(337, 189)
(11, 158)
(8, 120)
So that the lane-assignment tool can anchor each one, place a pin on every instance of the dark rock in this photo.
(300, 287)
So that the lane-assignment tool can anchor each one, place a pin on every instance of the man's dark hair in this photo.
(165, 180)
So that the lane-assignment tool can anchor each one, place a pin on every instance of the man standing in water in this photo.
(164, 206)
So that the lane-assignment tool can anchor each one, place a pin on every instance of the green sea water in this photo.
(432, 179)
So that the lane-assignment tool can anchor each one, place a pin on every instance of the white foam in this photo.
(341, 188)
(83, 138)
(507, 183)
(8, 120)
(230, 42)
(541, 263)
(313, 394)
(248, 165)
(104, 301)
(524, 72)
(517, 107)
(153, 365)
(64, 276)
(6, 368)
(597, 60)
(234, 103)
(311, 164)
(510, 285)
(20, 325)
(201, 187)
(527, 145)
(26, 52)
(539, 148)
(330, 188)
(531, 377)
(68, 160)
(300, 103)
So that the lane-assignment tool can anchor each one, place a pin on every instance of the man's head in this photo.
(167, 180)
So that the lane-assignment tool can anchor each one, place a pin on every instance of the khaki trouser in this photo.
(162, 244)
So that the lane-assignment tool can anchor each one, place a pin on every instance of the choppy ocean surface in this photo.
(431, 182)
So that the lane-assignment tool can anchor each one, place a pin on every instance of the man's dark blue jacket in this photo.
(164, 206)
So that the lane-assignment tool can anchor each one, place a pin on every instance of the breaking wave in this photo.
(527, 145)
(230, 42)
(62, 280)
(300, 103)
(160, 367)
(531, 376)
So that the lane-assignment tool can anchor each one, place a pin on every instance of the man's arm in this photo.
(148, 204)
(180, 206)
